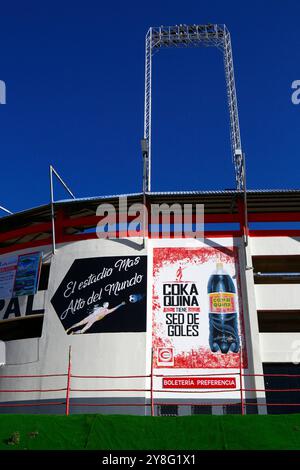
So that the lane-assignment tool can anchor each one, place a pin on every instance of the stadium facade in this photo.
(121, 324)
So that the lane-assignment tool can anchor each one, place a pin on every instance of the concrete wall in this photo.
(277, 296)
(280, 347)
(277, 347)
(275, 246)
(130, 353)
(92, 354)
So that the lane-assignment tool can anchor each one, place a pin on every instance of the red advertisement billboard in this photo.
(197, 308)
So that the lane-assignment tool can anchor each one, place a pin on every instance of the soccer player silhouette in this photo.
(97, 315)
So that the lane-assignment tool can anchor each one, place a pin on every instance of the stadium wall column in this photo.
(251, 328)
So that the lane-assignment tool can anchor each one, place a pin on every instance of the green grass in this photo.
(118, 432)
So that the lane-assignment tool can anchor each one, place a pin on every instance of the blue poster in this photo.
(27, 274)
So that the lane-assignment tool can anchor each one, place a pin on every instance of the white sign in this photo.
(8, 270)
(19, 275)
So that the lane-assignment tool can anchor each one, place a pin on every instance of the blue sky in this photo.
(74, 73)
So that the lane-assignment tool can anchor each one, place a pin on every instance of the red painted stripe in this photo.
(31, 376)
(274, 233)
(65, 238)
(23, 246)
(274, 217)
(110, 376)
(20, 232)
(34, 390)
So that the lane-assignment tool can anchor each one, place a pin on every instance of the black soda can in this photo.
(223, 321)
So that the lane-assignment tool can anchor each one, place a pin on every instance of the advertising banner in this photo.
(8, 269)
(19, 275)
(197, 311)
(103, 295)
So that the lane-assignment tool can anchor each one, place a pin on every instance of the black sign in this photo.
(101, 295)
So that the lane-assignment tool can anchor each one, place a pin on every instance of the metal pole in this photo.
(233, 109)
(145, 147)
(245, 200)
(62, 182)
(51, 171)
(148, 104)
(150, 123)
(68, 383)
(241, 377)
(145, 229)
(151, 385)
(52, 209)
(5, 210)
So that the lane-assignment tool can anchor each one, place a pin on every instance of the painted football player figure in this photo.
(97, 315)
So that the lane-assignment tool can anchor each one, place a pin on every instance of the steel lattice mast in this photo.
(194, 36)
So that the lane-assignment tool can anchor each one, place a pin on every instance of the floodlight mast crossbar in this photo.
(209, 35)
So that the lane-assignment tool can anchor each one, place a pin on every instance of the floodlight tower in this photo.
(193, 36)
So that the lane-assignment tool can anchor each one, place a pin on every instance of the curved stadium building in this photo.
(123, 323)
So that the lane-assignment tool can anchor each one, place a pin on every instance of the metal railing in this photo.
(153, 400)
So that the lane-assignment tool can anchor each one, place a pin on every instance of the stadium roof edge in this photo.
(183, 193)
(291, 202)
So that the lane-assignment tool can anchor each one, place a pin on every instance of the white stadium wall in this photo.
(129, 353)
